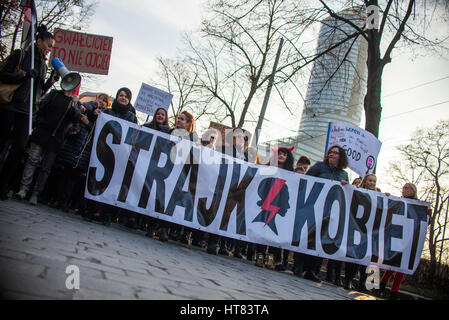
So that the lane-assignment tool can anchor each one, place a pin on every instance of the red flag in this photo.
(76, 91)
(29, 18)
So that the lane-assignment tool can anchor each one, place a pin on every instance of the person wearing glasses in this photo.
(209, 138)
(332, 168)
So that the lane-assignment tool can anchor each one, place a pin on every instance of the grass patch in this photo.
(425, 292)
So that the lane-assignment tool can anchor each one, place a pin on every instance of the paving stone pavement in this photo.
(38, 243)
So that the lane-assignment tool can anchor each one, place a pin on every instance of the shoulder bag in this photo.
(7, 90)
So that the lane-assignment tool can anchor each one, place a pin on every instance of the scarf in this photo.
(119, 108)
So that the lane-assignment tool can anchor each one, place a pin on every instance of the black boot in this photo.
(394, 296)
(163, 235)
(382, 287)
(106, 219)
(348, 284)
(212, 243)
(311, 276)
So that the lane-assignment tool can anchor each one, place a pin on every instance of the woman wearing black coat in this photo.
(56, 111)
(159, 123)
(73, 159)
(332, 168)
(14, 115)
(121, 109)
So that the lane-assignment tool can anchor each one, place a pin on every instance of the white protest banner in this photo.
(83, 52)
(151, 98)
(361, 146)
(172, 179)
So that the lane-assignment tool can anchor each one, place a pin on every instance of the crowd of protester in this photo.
(51, 164)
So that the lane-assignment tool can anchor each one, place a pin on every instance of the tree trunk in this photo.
(372, 101)
(247, 103)
(432, 240)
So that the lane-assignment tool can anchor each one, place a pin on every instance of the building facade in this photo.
(336, 87)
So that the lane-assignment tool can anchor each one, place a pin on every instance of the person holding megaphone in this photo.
(56, 112)
(14, 114)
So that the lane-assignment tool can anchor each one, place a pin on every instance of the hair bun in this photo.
(41, 28)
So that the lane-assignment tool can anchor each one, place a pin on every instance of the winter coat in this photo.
(122, 112)
(78, 147)
(55, 114)
(323, 170)
(161, 128)
(21, 99)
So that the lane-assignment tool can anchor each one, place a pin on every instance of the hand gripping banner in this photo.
(170, 178)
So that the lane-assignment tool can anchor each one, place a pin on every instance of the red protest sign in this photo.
(83, 52)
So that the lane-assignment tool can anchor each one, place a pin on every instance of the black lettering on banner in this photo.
(305, 212)
(331, 245)
(105, 156)
(236, 197)
(207, 216)
(393, 258)
(417, 213)
(138, 140)
(376, 228)
(359, 199)
(181, 198)
(157, 174)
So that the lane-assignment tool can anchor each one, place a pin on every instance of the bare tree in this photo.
(425, 162)
(52, 13)
(400, 22)
(10, 14)
(175, 77)
(235, 50)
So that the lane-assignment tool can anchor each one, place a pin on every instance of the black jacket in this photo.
(55, 114)
(77, 147)
(161, 128)
(21, 99)
(121, 112)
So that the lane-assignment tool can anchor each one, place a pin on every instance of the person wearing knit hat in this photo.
(129, 95)
(121, 107)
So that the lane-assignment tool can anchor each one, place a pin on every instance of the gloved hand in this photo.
(32, 74)
(54, 76)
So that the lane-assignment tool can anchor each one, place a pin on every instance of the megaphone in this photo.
(69, 80)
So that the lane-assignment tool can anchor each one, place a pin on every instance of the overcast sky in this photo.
(144, 30)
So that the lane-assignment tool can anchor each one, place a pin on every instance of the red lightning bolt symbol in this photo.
(275, 189)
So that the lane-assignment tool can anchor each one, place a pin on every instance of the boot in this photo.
(338, 282)
(33, 199)
(21, 194)
(309, 275)
(4, 193)
(382, 287)
(260, 260)
(106, 220)
(212, 244)
(269, 263)
(163, 235)
(348, 284)
(394, 296)
(65, 207)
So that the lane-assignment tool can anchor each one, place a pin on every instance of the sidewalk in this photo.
(38, 243)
